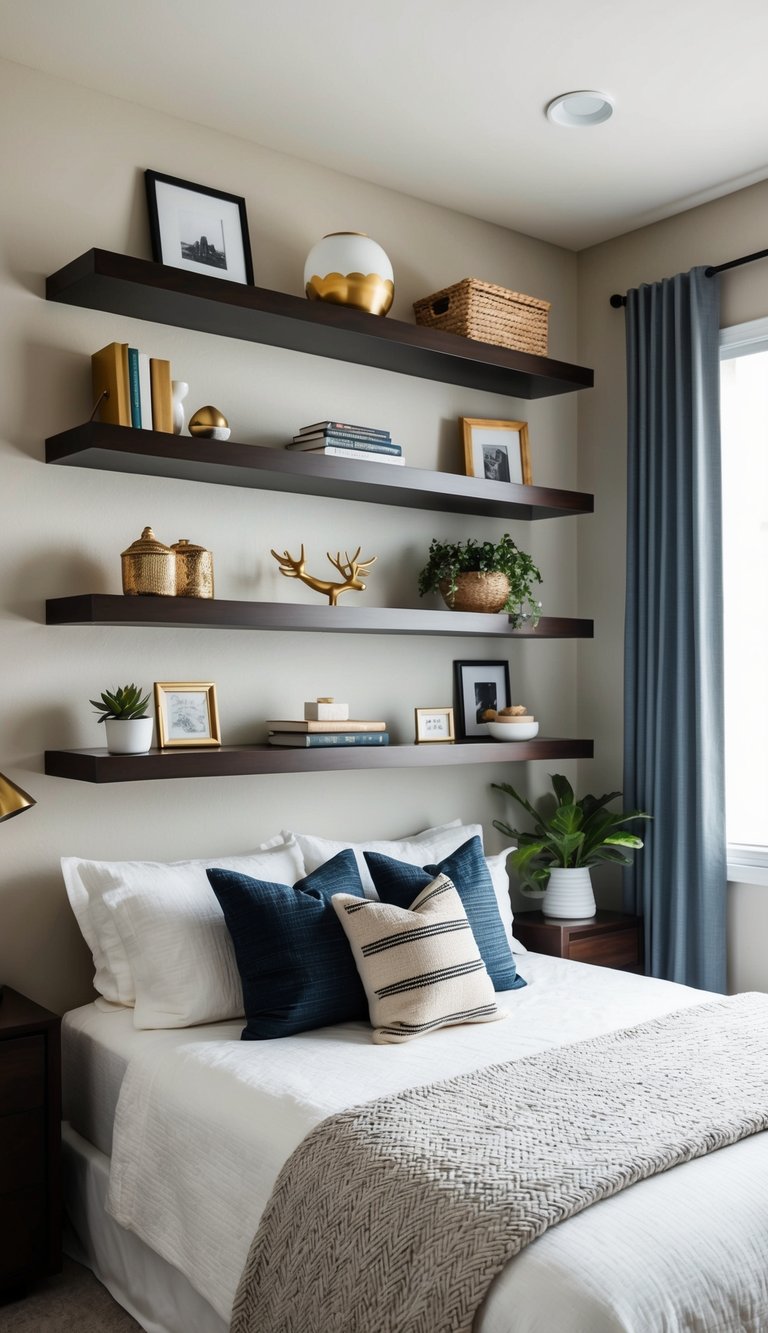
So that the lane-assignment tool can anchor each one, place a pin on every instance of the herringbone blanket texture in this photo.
(395, 1216)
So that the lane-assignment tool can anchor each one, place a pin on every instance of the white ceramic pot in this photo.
(348, 268)
(128, 735)
(569, 894)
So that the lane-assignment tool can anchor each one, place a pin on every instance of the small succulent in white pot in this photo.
(126, 722)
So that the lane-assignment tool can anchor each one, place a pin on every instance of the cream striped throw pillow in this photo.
(420, 966)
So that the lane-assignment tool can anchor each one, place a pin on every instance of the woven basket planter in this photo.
(489, 314)
(476, 591)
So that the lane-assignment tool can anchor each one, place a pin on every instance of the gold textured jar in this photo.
(149, 568)
(194, 569)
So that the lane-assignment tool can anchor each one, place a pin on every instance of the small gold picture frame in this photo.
(496, 450)
(187, 713)
(434, 726)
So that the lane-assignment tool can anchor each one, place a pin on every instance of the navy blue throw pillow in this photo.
(398, 883)
(297, 969)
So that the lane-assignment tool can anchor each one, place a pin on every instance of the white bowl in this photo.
(513, 731)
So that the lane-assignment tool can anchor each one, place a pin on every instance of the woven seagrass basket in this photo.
(489, 314)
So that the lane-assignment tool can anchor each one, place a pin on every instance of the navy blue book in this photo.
(344, 426)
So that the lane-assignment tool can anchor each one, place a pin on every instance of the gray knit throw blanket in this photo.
(396, 1216)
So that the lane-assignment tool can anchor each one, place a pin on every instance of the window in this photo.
(744, 420)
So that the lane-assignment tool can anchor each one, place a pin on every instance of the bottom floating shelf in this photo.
(239, 760)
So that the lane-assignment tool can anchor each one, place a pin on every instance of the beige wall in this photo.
(72, 163)
(711, 234)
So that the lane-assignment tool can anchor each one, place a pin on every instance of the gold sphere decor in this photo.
(348, 268)
(208, 423)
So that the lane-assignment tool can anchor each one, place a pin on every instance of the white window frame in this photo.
(747, 864)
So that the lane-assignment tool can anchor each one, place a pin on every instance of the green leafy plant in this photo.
(568, 833)
(124, 703)
(449, 559)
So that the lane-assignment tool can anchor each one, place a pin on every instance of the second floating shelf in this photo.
(215, 613)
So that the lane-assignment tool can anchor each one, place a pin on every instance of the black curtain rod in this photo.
(617, 301)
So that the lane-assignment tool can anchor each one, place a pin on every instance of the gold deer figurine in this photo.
(350, 570)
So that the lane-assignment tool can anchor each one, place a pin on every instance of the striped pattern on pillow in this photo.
(420, 966)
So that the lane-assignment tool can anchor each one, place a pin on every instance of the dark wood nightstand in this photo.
(609, 939)
(30, 1142)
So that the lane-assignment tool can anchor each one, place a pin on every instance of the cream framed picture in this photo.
(434, 726)
(496, 450)
(187, 714)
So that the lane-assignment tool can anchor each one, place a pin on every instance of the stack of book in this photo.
(132, 388)
(340, 440)
(312, 735)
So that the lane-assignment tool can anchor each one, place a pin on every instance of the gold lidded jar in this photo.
(194, 569)
(149, 568)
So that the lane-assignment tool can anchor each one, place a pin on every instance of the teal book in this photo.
(320, 738)
(134, 386)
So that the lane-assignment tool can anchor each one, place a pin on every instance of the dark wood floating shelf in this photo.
(200, 613)
(152, 453)
(234, 761)
(124, 285)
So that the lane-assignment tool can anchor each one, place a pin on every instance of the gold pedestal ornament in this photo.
(209, 423)
(348, 268)
(149, 568)
(194, 569)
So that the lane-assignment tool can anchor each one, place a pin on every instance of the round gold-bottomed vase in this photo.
(348, 268)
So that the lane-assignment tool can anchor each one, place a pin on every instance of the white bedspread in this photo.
(203, 1128)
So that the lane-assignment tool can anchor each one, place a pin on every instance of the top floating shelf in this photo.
(102, 280)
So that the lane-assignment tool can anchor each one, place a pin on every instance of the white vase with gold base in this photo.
(348, 268)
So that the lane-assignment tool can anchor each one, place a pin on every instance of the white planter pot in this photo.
(569, 894)
(128, 735)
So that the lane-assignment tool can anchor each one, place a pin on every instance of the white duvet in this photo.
(203, 1128)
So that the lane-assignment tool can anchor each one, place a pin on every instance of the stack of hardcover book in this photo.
(132, 388)
(338, 439)
(312, 735)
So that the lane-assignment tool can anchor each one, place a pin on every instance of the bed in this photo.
(174, 1138)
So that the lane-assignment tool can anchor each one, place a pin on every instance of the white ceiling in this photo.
(444, 99)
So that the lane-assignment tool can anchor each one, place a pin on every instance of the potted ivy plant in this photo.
(553, 861)
(124, 713)
(482, 576)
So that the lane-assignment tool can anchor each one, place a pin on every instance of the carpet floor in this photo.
(71, 1302)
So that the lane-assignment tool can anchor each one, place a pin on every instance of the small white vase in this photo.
(569, 894)
(348, 268)
(128, 735)
(179, 391)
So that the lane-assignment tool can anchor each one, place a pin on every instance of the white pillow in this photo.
(88, 881)
(420, 966)
(497, 866)
(418, 849)
(179, 949)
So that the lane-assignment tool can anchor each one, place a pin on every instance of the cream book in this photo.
(349, 724)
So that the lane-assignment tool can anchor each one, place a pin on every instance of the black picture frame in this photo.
(478, 685)
(188, 230)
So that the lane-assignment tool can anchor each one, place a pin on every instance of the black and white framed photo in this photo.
(187, 713)
(480, 686)
(434, 725)
(198, 229)
(496, 450)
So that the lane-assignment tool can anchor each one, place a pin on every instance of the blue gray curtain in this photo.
(673, 670)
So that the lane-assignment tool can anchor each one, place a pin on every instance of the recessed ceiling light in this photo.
(581, 109)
